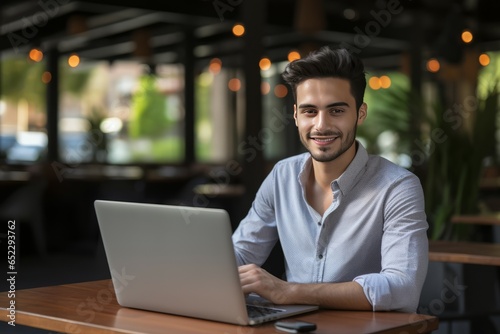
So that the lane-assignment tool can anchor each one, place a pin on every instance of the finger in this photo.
(246, 280)
(246, 267)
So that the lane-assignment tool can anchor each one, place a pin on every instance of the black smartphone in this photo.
(294, 326)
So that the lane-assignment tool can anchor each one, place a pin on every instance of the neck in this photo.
(323, 173)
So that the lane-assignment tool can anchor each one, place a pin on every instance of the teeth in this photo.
(324, 140)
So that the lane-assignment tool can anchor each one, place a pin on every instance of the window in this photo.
(22, 110)
(220, 115)
(124, 114)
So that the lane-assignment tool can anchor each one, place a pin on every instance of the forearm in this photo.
(345, 296)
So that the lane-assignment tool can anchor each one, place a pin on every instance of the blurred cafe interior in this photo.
(182, 102)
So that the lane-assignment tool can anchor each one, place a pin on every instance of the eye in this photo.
(336, 111)
(309, 111)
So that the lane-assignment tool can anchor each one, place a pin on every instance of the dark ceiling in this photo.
(380, 30)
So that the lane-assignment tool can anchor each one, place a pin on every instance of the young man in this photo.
(352, 226)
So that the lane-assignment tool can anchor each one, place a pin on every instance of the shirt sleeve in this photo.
(404, 250)
(256, 235)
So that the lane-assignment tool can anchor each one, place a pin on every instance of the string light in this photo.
(238, 30)
(433, 65)
(215, 66)
(467, 36)
(73, 60)
(385, 82)
(234, 84)
(46, 77)
(265, 64)
(265, 88)
(36, 55)
(374, 83)
(484, 59)
(293, 55)
(280, 91)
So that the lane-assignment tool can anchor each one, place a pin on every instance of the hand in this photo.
(257, 280)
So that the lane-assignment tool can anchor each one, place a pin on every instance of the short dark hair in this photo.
(328, 62)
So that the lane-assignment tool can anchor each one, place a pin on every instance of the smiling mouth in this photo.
(322, 140)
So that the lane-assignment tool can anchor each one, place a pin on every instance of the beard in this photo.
(329, 153)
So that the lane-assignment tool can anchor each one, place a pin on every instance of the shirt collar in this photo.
(349, 178)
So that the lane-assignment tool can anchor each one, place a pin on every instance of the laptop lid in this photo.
(175, 259)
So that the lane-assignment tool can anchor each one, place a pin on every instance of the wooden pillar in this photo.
(415, 68)
(254, 18)
(189, 96)
(52, 57)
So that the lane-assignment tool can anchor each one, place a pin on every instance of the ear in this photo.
(362, 113)
(295, 114)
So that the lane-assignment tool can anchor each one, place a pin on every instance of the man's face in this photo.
(326, 117)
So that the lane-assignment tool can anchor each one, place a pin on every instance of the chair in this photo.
(25, 207)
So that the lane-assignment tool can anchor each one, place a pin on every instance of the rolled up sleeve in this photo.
(404, 251)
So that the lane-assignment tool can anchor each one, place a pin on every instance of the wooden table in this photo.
(479, 303)
(226, 190)
(465, 252)
(483, 219)
(91, 308)
(482, 253)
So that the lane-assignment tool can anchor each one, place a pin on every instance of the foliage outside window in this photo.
(150, 124)
(23, 110)
(386, 128)
(453, 145)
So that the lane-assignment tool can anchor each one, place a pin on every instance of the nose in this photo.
(321, 121)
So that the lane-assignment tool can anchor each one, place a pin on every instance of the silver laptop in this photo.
(179, 260)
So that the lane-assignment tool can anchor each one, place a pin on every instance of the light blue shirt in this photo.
(373, 233)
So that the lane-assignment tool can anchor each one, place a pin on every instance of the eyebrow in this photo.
(335, 104)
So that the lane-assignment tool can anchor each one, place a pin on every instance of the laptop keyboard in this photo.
(259, 311)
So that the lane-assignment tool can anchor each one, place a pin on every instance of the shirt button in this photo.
(320, 256)
(319, 223)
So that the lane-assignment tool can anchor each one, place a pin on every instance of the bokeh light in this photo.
(484, 59)
(433, 65)
(215, 66)
(73, 60)
(280, 91)
(467, 36)
(293, 55)
(265, 64)
(374, 83)
(46, 77)
(265, 88)
(238, 30)
(234, 84)
(385, 82)
(36, 55)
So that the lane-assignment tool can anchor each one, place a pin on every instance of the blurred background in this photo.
(181, 102)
